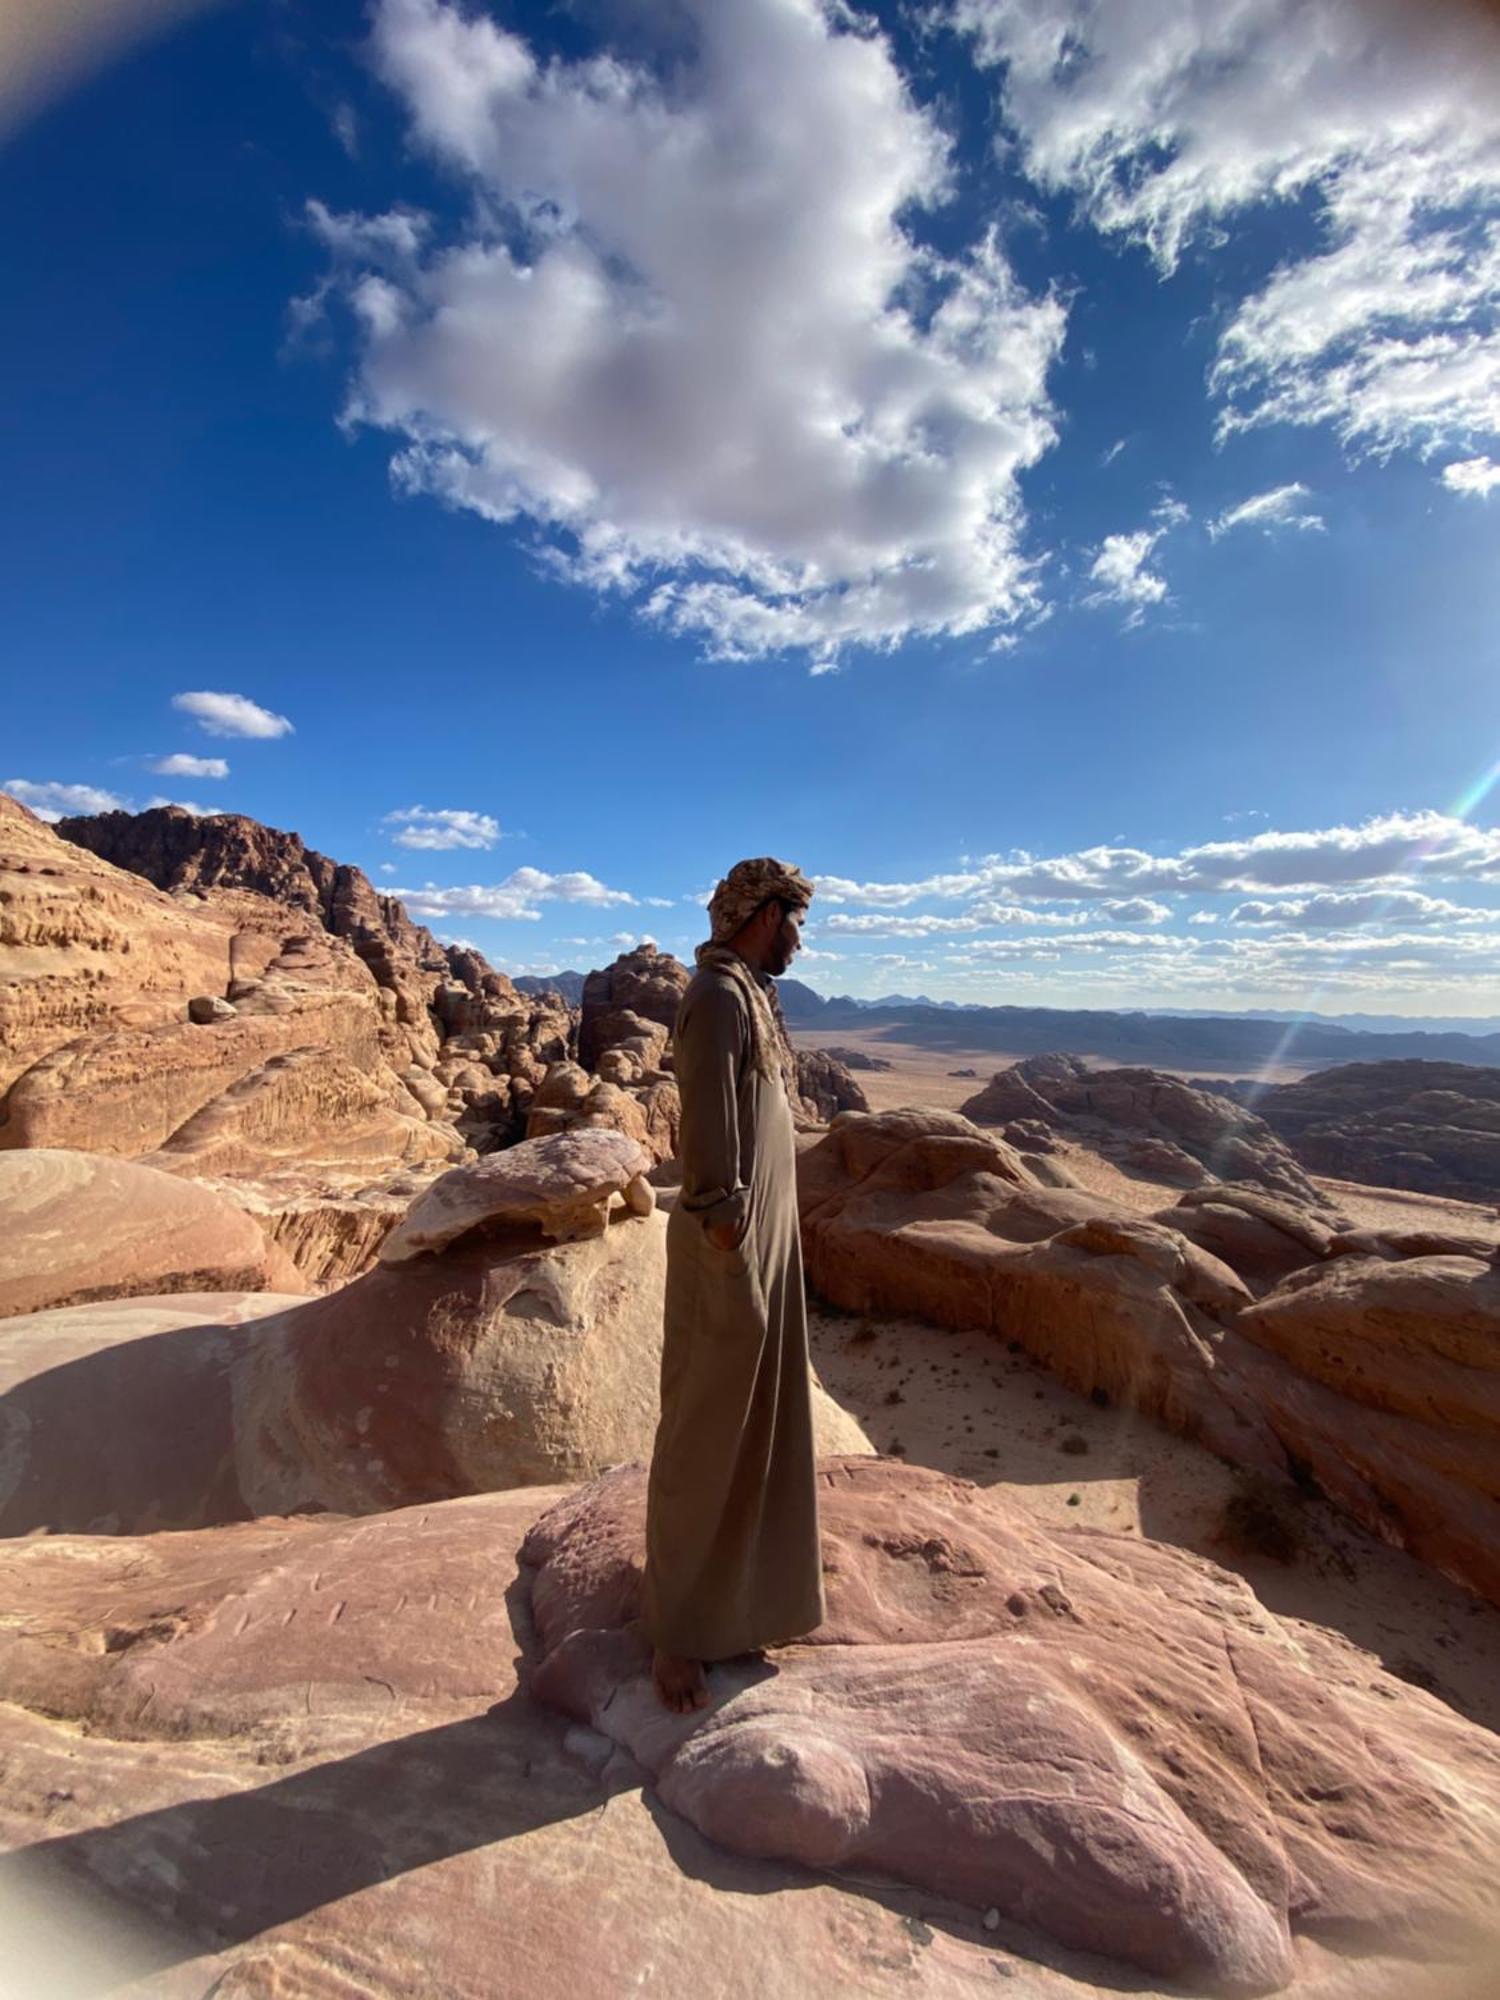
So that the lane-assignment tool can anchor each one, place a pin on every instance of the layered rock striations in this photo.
(215, 996)
(1217, 1317)
(1105, 1738)
(80, 1227)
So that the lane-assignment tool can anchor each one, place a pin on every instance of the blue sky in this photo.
(1035, 467)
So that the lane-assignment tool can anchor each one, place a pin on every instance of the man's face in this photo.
(786, 943)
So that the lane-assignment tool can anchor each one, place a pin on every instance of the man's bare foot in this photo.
(679, 1682)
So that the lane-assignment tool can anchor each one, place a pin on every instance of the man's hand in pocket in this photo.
(722, 1235)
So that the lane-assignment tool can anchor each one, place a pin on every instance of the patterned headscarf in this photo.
(749, 884)
(736, 899)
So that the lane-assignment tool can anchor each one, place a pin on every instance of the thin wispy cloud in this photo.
(1476, 476)
(231, 715)
(1337, 910)
(521, 895)
(1281, 508)
(1386, 849)
(1172, 124)
(181, 764)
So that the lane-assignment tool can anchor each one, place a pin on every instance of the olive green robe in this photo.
(732, 1552)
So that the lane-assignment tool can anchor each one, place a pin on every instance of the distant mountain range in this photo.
(1384, 1024)
(568, 984)
(1158, 1039)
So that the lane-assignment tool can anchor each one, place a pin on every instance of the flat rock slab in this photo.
(293, 1758)
(81, 1227)
(1107, 1738)
(561, 1183)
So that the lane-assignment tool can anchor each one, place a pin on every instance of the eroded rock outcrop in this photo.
(826, 1084)
(79, 1227)
(479, 1354)
(1144, 1119)
(1433, 1127)
(1391, 1396)
(645, 983)
(1108, 1738)
(922, 1213)
(1260, 1236)
(562, 1186)
(216, 995)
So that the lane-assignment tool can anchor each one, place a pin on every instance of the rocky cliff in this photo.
(219, 997)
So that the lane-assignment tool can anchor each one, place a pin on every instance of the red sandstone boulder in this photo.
(502, 1361)
(1106, 1738)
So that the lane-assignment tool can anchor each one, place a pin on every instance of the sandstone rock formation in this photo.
(1433, 1127)
(1391, 1396)
(500, 1360)
(1260, 1236)
(648, 1112)
(213, 994)
(292, 1757)
(922, 1213)
(79, 1227)
(330, 1225)
(1106, 1738)
(645, 983)
(561, 1185)
(860, 1059)
(1141, 1118)
(826, 1085)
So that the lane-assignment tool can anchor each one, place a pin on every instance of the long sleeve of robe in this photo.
(732, 1552)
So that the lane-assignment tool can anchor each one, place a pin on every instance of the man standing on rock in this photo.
(732, 1553)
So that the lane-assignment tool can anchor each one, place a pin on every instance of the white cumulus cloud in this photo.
(51, 800)
(1387, 849)
(519, 895)
(438, 827)
(1281, 507)
(691, 333)
(231, 714)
